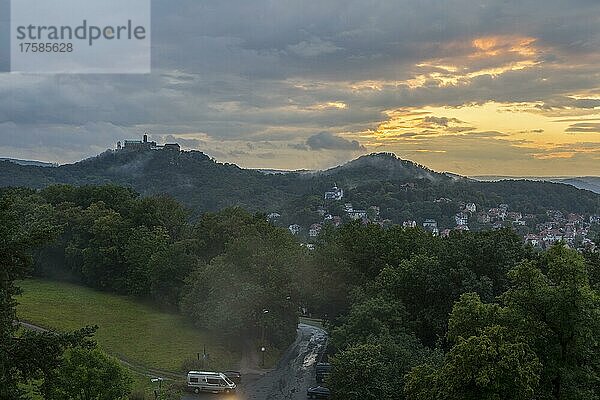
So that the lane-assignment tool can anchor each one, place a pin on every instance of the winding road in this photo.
(294, 373)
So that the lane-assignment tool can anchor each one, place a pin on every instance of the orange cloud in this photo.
(490, 46)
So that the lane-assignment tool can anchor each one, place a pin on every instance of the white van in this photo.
(213, 382)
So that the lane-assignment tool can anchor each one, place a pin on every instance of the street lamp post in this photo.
(157, 393)
(263, 349)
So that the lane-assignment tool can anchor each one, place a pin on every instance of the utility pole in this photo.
(263, 348)
(157, 394)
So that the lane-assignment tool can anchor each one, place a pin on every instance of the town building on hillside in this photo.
(483, 218)
(172, 147)
(146, 145)
(406, 186)
(498, 225)
(348, 207)
(431, 226)
(295, 229)
(497, 213)
(274, 216)
(335, 194)
(357, 214)
(409, 224)
(514, 216)
(314, 230)
(461, 219)
(430, 223)
(533, 240)
(471, 207)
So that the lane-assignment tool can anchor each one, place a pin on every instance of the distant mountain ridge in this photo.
(29, 162)
(401, 189)
(591, 183)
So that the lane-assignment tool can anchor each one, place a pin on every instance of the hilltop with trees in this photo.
(402, 190)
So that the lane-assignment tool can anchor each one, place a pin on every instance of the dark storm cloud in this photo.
(584, 127)
(441, 121)
(330, 141)
(267, 70)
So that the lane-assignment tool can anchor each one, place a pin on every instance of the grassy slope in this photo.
(128, 329)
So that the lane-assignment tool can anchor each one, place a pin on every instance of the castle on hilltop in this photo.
(145, 145)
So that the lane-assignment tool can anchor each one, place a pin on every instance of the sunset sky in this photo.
(473, 87)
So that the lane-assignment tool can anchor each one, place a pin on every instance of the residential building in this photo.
(461, 218)
(273, 216)
(314, 230)
(431, 226)
(357, 214)
(334, 194)
(295, 229)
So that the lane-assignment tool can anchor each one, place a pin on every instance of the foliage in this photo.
(251, 289)
(110, 238)
(374, 369)
(377, 179)
(490, 366)
(559, 313)
(424, 273)
(90, 375)
(542, 339)
(25, 222)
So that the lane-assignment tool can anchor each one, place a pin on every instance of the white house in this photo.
(295, 229)
(357, 214)
(273, 216)
(461, 219)
(334, 194)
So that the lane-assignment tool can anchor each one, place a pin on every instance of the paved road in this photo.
(294, 373)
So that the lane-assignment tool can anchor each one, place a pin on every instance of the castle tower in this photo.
(119, 147)
(145, 137)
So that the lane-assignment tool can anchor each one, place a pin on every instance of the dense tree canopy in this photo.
(476, 315)
(27, 222)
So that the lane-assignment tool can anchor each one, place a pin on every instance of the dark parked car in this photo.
(318, 392)
(235, 376)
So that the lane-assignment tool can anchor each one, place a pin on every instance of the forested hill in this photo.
(401, 189)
